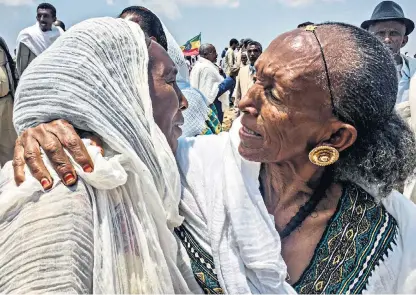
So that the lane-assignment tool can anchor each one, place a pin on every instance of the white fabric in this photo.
(37, 40)
(206, 78)
(96, 77)
(397, 273)
(196, 114)
(407, 72)
(223, 206)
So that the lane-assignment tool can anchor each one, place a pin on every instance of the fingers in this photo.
(56, 154)
(70, 140)
(33, 159)
(19, 163)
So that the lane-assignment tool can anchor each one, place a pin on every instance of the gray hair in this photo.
(364, 84)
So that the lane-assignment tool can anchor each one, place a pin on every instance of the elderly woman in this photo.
(319, 148)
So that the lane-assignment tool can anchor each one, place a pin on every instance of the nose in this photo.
(248, 103)
(183, 102)
(387, 38)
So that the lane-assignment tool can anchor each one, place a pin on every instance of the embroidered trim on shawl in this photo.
(201, 262)
(360, 235)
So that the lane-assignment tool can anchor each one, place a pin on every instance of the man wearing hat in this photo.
(390, 25)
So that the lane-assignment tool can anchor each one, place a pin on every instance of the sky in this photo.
(217, 20)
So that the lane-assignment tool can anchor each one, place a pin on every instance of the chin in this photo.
(251, 155)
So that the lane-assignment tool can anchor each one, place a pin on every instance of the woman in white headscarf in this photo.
(113, 232)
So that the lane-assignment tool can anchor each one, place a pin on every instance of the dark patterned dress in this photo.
(357, 238)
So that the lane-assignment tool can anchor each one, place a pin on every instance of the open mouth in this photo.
(250, 132)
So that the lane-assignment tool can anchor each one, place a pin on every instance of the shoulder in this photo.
(411, 62)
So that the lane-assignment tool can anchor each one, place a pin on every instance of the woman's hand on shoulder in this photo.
(53, 138)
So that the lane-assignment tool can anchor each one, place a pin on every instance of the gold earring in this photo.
(324, 155)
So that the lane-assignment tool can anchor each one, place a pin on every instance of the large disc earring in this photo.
(324, 155)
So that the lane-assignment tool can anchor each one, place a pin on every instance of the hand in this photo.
(53, 138)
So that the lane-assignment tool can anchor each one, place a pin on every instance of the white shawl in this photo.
(37, 40)
(96, 77)
(206, 77)
(222, 204)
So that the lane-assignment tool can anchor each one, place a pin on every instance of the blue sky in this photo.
(218, 20)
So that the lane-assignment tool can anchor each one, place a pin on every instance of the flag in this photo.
(192, 46)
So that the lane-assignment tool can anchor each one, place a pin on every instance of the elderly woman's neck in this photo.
(287, 184)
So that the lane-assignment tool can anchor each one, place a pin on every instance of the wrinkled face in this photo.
(244, 59)
(253, 52)
(286, 113)
(167, 99)
(45, 19)
(391, 33)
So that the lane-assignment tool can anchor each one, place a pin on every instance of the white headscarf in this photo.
(96, 77)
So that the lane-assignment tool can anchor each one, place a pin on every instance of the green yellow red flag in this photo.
(191, 47)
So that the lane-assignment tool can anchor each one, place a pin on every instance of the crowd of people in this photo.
(118, 176)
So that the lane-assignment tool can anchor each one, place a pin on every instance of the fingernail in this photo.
(69, 179)
(87, 168)
(102, 151)
(45, 183)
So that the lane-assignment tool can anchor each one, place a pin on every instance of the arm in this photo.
(237, 91)
(225, 85)
(24, 58)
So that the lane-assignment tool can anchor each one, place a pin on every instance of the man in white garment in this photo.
(205, 77)
(390, 25)
(33, 40)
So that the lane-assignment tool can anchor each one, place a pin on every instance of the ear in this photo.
(343, 136)
(405, 40)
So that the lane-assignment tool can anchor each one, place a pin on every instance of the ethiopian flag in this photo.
(192, 46)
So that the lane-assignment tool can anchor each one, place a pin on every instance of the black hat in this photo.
(389, 10)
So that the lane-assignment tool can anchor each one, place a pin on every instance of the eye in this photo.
(272, 94)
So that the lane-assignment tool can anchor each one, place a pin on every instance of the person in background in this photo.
(33, 40)
(304, 25)
(391, 27)
(245, 78)
(389, 24)
(223, 53)
(59, 23)
(206, 78)
(244, 58)
(230, 57)
(244, 81)
(243, 48)
(8, 83)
